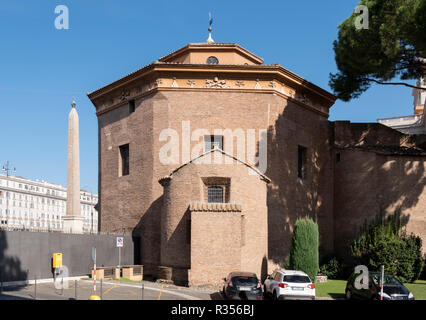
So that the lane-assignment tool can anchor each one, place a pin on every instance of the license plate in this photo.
(297, 288)
(245, 288)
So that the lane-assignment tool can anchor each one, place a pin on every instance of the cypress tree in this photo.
(304, 247)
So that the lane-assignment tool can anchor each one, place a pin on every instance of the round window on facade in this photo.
(212, 60)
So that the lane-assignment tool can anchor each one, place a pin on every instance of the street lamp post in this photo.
(7, 169)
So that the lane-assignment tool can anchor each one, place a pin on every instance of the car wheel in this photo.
(348, 294)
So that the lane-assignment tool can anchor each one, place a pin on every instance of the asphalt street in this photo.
(107, 290)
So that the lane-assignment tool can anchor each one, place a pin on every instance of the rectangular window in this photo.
(212, 142)
(215, 194)
(301, 162)
(131, 106)
(124, 160)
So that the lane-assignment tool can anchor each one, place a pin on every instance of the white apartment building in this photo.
(39, 206)
(415, 123)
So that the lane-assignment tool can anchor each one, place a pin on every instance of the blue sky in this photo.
(42, 67)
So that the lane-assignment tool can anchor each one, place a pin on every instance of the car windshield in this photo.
(297, 279)
(244, 281)
(388, 279)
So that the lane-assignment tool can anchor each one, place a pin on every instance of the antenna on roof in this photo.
(210, 39)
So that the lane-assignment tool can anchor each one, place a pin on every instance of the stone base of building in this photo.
(176, 275)
(73, 224)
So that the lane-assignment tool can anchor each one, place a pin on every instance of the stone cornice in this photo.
(172, 77)
(113, 106)
(243, 72)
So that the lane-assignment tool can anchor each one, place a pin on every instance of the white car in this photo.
(289, 284)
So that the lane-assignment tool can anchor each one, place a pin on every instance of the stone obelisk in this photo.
(73, 221)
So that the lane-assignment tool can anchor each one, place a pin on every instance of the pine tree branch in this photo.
(394, 83)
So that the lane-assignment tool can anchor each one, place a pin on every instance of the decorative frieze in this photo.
(158, 83)
(147, 85)
(303, 98)
(124, 95)
(239, 83)
(215, 83)
(257, 85)
(174, 83)
(291, 92)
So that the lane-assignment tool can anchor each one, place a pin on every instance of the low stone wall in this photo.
(321, 279)
(106, 273)
(134, 273)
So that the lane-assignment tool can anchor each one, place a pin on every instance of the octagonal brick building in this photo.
(197, 222)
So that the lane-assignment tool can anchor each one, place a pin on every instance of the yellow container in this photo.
(57, 260)
(94, 298)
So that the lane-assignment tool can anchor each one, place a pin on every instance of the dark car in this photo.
(393, 289)
(242, 286)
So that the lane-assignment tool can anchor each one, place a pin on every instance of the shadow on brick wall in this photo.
(387, 173)
(148, 231)
(290, 197)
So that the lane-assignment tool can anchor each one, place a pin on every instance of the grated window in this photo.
(215, 194)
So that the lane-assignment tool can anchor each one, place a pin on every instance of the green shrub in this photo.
(384, 243)
(410, 263)
(304, 247)
(331, 268)
(423, 274)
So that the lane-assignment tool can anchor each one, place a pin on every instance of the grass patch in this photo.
(332, 289)
(127, 280)
(418, 289)
(336, 289)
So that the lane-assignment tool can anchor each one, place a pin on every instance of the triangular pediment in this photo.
(196, 159)
(214, 53)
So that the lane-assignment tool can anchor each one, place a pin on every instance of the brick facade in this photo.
(212, 239)
(378, 171)
(294, 114)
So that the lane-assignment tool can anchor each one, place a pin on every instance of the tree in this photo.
(304, 247)
(383, 242)
(393, 46)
